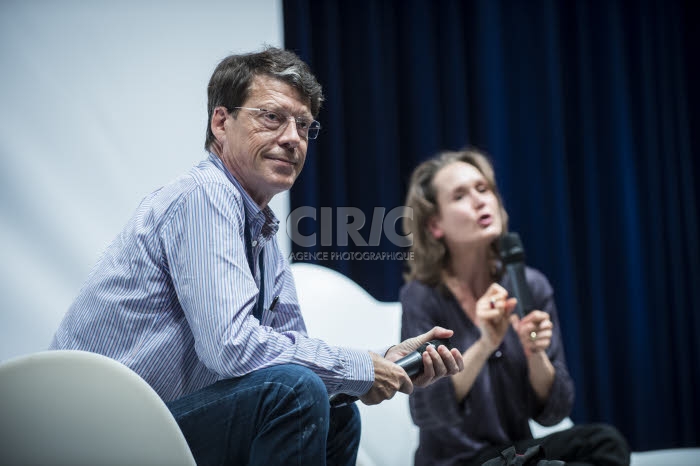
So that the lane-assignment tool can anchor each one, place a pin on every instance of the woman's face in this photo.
(468, 210)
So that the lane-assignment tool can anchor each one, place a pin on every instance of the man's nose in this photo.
(290, 135)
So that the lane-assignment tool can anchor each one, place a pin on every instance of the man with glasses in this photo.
(195, 296)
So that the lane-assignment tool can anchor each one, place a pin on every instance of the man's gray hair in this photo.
(230, 83)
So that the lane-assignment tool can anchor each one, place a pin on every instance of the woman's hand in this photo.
(534, 331)
(492, 311)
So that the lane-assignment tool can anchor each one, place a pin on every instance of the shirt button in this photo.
(498, 354)
(255, 243)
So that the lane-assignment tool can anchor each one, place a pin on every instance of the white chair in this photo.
(339, 311)
(80, 408)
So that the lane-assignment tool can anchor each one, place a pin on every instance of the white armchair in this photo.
(80, 408)
(340, 312)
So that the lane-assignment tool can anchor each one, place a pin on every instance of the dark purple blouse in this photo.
(497, 408)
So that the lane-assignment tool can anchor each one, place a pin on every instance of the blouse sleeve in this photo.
(561, 398)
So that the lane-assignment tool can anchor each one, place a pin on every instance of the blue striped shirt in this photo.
(173, 295)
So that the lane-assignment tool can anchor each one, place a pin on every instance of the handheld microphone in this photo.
(513, 258)
(411, 363)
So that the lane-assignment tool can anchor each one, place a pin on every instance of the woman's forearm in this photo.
(542, 374)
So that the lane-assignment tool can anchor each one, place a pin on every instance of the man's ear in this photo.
(217, 123)
(434, 227)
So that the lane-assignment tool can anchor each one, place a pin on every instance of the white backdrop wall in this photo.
(100, 103)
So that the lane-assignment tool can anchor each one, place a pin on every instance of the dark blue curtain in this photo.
(590, 112)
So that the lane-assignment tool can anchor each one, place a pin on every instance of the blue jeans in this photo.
(274, 416)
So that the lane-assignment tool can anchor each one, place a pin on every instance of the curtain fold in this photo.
(590, 113)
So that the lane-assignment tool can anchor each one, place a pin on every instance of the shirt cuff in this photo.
(555, 407)
(358, 371)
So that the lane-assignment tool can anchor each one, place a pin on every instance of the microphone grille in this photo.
(510, 248)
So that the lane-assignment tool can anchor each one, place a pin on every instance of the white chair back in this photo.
(340, 312)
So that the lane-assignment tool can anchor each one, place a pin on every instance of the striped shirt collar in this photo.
(260, 221)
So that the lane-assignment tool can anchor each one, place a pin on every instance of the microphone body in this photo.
(411, 363)
(513, 258)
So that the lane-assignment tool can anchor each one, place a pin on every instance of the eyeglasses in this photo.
(307, 129)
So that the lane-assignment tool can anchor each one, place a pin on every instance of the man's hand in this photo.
(388, 379)
(437, 362)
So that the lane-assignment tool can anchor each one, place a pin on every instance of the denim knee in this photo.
(298, 377)
(305, 385)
